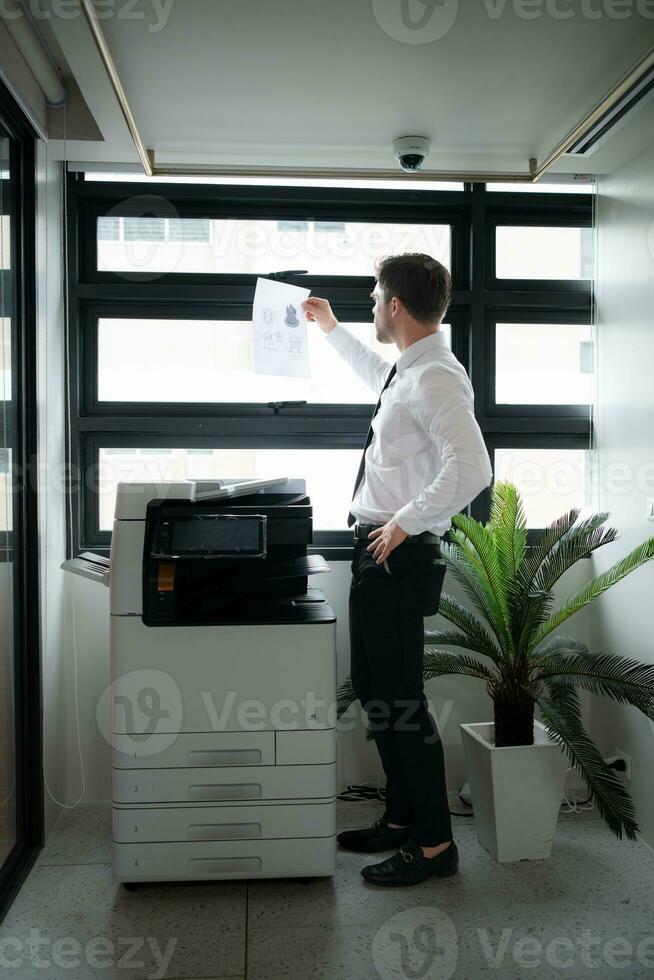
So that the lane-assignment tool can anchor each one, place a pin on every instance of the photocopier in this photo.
(223, 669)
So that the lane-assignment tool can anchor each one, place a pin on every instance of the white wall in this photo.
(50, 366)
(622, 621)
(454, 699)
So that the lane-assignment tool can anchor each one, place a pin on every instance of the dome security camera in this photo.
(411, 152)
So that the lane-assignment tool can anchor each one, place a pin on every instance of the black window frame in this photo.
(478, 299)
(20, 547)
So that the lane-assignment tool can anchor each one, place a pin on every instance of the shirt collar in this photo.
(430, 344)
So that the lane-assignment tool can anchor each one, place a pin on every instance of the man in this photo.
(424, 460)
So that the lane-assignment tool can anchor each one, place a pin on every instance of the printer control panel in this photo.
(210, 535)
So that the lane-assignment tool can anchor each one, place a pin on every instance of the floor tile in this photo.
(82, 836)
(321, 953)
(205, 922)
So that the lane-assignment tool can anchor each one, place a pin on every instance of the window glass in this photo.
(531, 252)
(542, 187)
(14, 521)
(211, 361)
(551, 481)
(404, 183)
(239, 246)
(329, 474)
(6, 490)
(543, 364)
(5, 359)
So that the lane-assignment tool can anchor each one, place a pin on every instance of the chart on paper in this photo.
(279, 329)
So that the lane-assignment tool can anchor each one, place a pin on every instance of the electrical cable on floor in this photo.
(470, 812)
(362, 791)
(570, 804)
(366, 792)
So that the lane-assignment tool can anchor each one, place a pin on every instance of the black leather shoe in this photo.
(379, 837)
(409, 866)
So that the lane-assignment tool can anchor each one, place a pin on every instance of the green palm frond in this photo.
(459, 616)
(508, 525)
(581, 541)
(560, 643)
(438, 662)
(595, 588)
(467, 568)
(537, 610)
(481, 549)
(448, 638)
(561, 713)
(478, 590)
(577, 541)
(605, 674)
(476, 636)
(539, 551)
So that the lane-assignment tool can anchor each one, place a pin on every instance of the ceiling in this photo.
(331, 84)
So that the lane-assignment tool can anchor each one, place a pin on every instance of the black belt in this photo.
(362, 533)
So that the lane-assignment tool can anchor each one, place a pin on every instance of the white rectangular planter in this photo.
(516, 792)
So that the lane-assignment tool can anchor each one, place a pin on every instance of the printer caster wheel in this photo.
(131, 886)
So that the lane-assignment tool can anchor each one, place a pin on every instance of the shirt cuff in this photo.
(406, 519)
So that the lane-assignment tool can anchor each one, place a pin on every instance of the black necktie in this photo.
(351, 519)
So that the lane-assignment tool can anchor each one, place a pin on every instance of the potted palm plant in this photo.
(516, 764)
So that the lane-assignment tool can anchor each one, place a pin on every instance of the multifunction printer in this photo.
(223, 670)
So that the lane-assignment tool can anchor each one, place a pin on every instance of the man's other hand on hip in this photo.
(385, 539)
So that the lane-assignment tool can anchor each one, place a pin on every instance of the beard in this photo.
(382, 332)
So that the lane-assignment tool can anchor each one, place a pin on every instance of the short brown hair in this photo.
(422, 283)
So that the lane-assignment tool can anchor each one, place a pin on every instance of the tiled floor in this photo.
(587, 912)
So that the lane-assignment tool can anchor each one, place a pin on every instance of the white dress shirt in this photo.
(427, 459)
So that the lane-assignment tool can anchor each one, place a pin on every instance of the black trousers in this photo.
(387, 609)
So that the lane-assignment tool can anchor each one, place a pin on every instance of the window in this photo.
(551, 481)
(329, 473)
(405, 183)
(21, 756)
(166, 360)
(245, 246)
(160, 330)
(543, 187)
(544, 253)
(543, 364)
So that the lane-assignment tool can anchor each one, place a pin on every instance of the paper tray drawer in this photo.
(198, 823)
(212, 785)
(200, 749)
(213, 860)
(305, 747)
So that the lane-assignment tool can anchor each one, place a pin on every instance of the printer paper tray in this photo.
(194, 860)
(215, 785)
(236, 822)
(240, 578)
